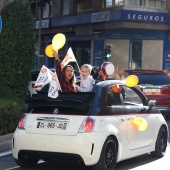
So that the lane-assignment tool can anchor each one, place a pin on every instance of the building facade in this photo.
(137, 31)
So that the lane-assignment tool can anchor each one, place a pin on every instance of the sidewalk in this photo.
(6, 142)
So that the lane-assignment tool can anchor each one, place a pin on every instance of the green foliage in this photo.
(10, 114)
(17, 48)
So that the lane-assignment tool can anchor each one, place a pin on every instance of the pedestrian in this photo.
(87, 81)
(120, 75)
(66, 76)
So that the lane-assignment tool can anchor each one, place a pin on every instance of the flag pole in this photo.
(78, 65)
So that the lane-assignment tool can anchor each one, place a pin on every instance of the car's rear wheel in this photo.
(25, 161)
(108, 156)
(161, 143)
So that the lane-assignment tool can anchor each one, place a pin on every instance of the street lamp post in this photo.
(39, 36)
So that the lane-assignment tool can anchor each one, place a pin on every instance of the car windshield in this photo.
(153, 79)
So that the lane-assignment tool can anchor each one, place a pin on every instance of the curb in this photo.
(6, 142)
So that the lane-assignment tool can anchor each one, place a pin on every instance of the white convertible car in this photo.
(99, 128)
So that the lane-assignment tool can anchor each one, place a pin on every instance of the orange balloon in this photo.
(49, 51)
(58, 41)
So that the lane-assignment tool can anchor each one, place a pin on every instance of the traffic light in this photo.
(107, 52)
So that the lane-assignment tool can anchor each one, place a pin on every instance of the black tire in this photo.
(26, 162)
(108, 157)
(161, 143)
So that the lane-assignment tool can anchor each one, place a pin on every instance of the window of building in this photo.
(33, 8)
(156, 3)
(109, 3)
(84, 6)
(137, 2)
(135, 59)
(152, 3)
(160, 3)
(65, 7)
(112, 3)
(119, 2)
(147, 3)
(132, 3)
(46, 9)
(141, 2)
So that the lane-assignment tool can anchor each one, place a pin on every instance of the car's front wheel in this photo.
(108, 157)
(161, 143)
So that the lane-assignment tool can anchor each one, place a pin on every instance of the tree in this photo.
(17, 49)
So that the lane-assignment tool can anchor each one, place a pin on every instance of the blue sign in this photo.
(114, 15)
(0, 24)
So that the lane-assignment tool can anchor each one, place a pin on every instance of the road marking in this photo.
(5, 153)
(12, 168)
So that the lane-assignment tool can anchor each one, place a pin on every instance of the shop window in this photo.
(65, 7)
(135, 55)
(85, 5)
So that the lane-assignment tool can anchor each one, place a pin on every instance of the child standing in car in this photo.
(87, 81)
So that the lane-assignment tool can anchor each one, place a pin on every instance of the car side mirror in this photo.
(151, 102)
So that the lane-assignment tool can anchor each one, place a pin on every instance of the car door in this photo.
(134, 106)
(113, 120)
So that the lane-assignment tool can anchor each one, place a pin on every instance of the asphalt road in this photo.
(144, 162)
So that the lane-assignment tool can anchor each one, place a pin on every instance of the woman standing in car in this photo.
(66, 76)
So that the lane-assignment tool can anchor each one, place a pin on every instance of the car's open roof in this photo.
(78, 100)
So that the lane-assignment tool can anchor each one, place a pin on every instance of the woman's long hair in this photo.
(72, 81)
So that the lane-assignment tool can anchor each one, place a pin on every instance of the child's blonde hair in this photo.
(88, 66)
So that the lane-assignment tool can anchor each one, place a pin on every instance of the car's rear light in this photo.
(87, 125)
(21, 124)
(38, 86)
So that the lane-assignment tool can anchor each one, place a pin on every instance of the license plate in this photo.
(151, 90)
(52, 125)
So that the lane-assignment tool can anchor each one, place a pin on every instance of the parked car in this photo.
(155, 85)
(32, 89)
(98, 128)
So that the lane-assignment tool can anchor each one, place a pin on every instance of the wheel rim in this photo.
(163, 141)
(109, 155)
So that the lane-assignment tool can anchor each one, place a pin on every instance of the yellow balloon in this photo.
(140, 123)
(49, 51)
(131, 81)
(58, 41)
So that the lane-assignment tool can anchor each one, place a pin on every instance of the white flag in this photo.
(54, 87)
(44, 76)
(69, 57)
